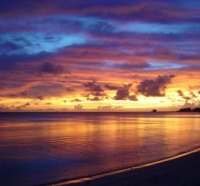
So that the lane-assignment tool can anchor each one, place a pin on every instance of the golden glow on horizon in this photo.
(170, 102)
(77, 100)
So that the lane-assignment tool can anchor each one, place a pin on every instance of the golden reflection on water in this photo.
(80, 144)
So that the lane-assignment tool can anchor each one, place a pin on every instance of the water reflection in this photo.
(39, 148)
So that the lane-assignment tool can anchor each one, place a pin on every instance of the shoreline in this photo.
(135, 174)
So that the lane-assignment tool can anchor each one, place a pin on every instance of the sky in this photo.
(92, 55)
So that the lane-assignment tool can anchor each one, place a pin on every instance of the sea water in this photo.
(38, 148)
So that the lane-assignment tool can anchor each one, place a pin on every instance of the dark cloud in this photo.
(132, 98)
(96, 91)
(191, 97)
(76, 100)
(154, 87)
(40, 98)
(13, 62)
(9, 46)
(123, 93)
(111, 87)
(94, 88)
(51, 68)
(95, 98)
(182, 95)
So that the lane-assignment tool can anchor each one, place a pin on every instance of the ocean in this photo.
(39, 148)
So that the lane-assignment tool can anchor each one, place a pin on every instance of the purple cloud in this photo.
(51, 68)
(154, 87)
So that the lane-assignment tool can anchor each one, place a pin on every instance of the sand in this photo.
(182, 170)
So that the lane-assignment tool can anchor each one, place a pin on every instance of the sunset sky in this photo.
(99, 55)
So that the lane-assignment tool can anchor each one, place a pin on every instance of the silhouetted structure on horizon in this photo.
(189, 110)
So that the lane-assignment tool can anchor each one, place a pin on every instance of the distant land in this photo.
(189, 110)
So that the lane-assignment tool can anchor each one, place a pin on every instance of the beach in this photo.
(183, 169)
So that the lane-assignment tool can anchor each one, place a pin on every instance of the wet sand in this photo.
(181, 170)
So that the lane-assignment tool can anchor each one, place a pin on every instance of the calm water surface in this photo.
(40, 148)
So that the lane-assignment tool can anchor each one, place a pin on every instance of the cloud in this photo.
(76, 100)
(111, 87)
(40, 92)
(23, 106)
(9, 47)
(93, 87)
(39, 98)
(46, 90)
(50, 68)
(13, 62)
(96, 98)
(126, 66)
(123, 93)
(78, 107)
(95, 90)
(168, 11)
(132, 98)
(108, 41)
(154, 87)
(191, 97)
(180, 93)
